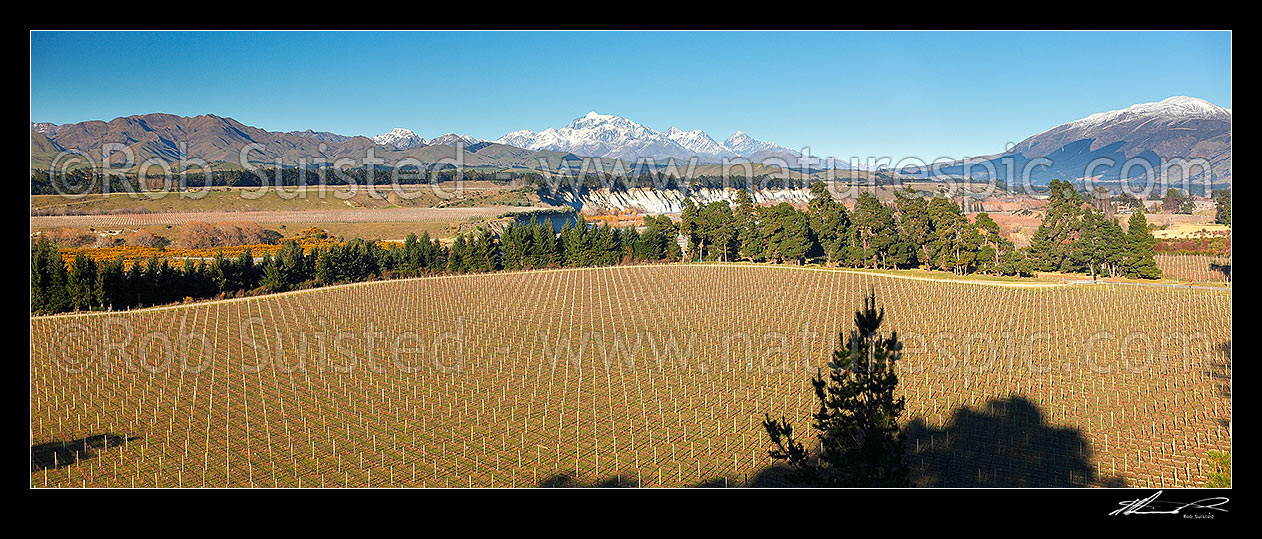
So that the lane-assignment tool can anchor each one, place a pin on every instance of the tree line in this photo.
(85, 284)
(918, 232)
(914, 231)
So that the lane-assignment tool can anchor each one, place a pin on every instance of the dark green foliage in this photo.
(786, 233)
(1051, 248)
(1101, 245)
(830, 224)
(1138, 260)
(1222, 208)
(81, 283)
(954, 240)
(748, 237)
(48, 279)
(915, 228)
(873, 233)
(860, 443)
(711, 231)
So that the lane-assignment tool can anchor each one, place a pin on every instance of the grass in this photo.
(1221, 476)
(245, 199)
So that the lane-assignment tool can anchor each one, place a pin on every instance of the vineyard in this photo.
(1198, 268)
(643, 375)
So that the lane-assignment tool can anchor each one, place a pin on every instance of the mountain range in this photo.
(1101, 145)
(615, 137)
(405, 139)
(1155, 133)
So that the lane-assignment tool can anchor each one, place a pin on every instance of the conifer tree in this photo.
(1140, 249)
(829, 223)
(860, 443)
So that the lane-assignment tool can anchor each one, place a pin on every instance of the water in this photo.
(558, 218)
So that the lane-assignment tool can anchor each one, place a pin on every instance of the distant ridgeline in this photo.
(86, 181)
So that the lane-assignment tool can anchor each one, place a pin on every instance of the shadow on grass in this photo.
(61, 454)
(1004, 443)
(1220, 369)
(567, 480)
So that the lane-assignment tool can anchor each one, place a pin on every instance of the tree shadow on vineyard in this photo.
(61, 454)
(1224, 269)
(1005, 443)
(568, 480)
(1220, 369)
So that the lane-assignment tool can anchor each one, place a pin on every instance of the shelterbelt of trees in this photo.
(85, 284)
(913, 232)
(930, 233)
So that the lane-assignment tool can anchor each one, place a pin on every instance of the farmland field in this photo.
(327, 198)
(639, 375)
(283, 217)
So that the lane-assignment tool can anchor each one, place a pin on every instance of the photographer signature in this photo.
(1149, 506)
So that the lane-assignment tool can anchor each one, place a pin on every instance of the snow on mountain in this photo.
(452, 139)
(1175, 108)
(1175, 127)
(48, 129)
(399, 138)
(1100, 145)
(698, 141)
(604, 135)
(745, 145)
(600, 135)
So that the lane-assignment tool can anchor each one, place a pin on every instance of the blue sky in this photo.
(923, 94)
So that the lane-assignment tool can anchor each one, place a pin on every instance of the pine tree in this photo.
(1051, 247)
(748, 238)
(860, 443)
(785, 233)
(829, 223)
(272, 279)
(873, 232)
(48, 279)
(690, 227)
(1140, 249)
(81, 282)
(915, 227)
(109, 284)
(1222, 207)
(717, 227)
(993, 245)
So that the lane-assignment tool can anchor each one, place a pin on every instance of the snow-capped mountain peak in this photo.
(606, 135)
(452, 139)
(399, 138)
(698, 141)
(741, 143)
(1170, 109)
(47, 128)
